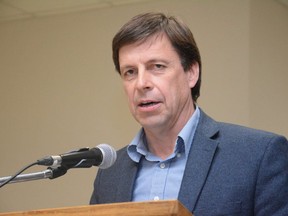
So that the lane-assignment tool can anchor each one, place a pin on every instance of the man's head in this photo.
(143, 26)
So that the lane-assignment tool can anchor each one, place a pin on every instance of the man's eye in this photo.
(128, 74)
(159, 66)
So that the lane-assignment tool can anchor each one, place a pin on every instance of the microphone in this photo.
(102, 156)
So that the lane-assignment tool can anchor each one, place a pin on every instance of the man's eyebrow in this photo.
(155, 60)
(150, 61)
(125, 67)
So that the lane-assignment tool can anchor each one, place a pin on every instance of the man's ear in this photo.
(193, 74)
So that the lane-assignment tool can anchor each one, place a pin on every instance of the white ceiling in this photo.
(21, 9)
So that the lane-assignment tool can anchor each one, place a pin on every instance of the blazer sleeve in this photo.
(271, 192)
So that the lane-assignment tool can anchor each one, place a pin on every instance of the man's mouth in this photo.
(148, 103)
(148, 106)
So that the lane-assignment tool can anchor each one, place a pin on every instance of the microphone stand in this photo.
(50, 173)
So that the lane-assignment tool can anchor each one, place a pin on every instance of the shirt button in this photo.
(156, 198)
(162, 165)
(178, 155)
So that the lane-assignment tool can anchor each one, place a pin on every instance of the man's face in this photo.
(158, 89)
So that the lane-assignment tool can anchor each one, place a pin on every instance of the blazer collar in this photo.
(199, 161)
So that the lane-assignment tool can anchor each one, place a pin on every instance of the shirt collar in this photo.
(138, 147)
(188, 131)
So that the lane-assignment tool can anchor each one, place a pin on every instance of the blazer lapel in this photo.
(199, 161)
(126, 175)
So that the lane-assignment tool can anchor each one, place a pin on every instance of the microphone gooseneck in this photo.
(103, 156)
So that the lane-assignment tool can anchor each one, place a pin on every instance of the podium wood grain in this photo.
(153, 208)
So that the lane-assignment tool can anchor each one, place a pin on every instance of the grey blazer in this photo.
(231, 170)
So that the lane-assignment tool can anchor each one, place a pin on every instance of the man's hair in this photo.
(143, 26)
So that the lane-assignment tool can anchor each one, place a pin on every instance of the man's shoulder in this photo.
(238, 136)
(122, 152)
(122, 161)
(232, 129)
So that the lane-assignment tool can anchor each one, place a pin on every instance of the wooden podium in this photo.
(153, 208)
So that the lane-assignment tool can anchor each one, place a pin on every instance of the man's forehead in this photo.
(150, 40)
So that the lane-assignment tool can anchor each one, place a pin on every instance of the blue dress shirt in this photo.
(159, 179)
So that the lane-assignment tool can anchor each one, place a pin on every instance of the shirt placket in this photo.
(159, 180)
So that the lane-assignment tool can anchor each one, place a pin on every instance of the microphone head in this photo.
(109, 156)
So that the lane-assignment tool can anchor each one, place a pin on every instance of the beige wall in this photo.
(59, 90)
(269, 66)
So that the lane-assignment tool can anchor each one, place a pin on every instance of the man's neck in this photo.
(161, 142)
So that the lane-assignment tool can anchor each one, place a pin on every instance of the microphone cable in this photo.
(18, 173)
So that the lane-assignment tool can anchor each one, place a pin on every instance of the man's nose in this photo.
(144, 81)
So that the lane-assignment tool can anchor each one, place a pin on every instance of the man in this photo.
(180, 153)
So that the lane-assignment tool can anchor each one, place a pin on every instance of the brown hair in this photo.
(145, 25)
